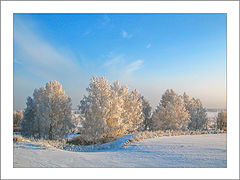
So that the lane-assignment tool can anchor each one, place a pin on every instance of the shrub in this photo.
(81, 140)
(18, 139)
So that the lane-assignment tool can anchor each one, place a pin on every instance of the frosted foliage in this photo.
(116, 123)
(187, 100)
(95, 109)
(198, 115)
(109, 110)
(133, 111)
(51, 112)
(170, 114)
(77, 121)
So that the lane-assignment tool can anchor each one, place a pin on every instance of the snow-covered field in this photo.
(177, 151)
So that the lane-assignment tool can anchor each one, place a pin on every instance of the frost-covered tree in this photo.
(147, 113)
(17, 117)
(95, 109)
(133, 111)
(39, 120)
(198, 115)
(170, 114)
(116, 123)
(126, 108)
(28, 118)
(49, 112)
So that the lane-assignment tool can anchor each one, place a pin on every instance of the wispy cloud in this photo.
(126, 35)
(105, 20)
(149, 45)
(39, 56)
(134, 66)
(86, 32)
(42, 61)
(119, 67)
(114, 60)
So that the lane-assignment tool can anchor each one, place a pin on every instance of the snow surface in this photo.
(176, 151)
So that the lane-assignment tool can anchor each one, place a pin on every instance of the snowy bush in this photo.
(48, 114)
(82, 140)
(60, 144)
(170, 114)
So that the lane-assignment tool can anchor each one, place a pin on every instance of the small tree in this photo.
(170, 114)
(198, 115)
(147, 113)
(17, 117)
(222, 121)
(27, 122)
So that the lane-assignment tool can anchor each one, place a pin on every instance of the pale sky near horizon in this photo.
(149, 52)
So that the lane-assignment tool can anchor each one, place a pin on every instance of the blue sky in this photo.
(149, 52)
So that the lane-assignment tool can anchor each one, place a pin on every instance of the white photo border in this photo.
(232, 10)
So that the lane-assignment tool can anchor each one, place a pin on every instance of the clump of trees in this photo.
(108, 111)
(48, 114)
(176, 112)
